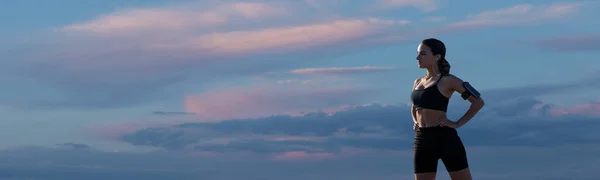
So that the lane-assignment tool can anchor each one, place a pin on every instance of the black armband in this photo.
(469, 91)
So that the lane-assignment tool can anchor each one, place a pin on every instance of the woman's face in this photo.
(425, 57)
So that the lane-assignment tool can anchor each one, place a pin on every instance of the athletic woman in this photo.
(436, 136)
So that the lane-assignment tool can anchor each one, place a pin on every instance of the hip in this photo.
(436, 133)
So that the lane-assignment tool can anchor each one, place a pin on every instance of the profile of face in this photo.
(425, 56)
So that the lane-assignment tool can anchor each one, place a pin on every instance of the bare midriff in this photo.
(429, 117)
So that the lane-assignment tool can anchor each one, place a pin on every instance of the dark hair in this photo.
(438, 47)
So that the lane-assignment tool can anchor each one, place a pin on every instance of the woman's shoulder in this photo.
(452, 78)
(452, 81)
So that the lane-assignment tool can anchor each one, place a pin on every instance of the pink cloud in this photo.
(345, 152)
(113, 132)
(213, 29)
(293, 138)
(176, 17)
(147, 49)
(518, 14)
(288, 38)
(303, 156)
(592, 109)
(423, 5)
(341, 70)
(137, 20)
(256, 10)
(187, 28)
(267, 100)
(168, 39)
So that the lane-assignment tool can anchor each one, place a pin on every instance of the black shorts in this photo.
(434, 143)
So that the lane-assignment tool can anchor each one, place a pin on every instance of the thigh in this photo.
(464, 174)
(425, 176)
(426, 154)
(453, 153)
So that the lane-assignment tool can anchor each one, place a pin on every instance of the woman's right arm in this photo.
(413, 110)
(414, 116)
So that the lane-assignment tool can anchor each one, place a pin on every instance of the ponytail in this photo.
(443, 67)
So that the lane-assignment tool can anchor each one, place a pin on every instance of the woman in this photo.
(436, 136)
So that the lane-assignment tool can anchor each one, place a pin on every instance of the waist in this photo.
(429, 117)
(436, 132)
(435, 128)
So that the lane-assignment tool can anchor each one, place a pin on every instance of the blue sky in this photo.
(307, 86)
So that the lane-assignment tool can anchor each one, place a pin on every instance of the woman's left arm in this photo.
(456, 85)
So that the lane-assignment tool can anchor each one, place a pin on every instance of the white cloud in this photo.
(180, 17)
(517, 14)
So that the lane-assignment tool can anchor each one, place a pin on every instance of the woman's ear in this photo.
(438, 57)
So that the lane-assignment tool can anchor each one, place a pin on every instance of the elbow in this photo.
(477, 103)
(480, 103)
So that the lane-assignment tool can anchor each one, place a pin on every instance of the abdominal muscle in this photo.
(429, 117)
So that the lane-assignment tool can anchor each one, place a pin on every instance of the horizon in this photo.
(307, 89)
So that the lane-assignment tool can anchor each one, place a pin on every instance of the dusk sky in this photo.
(290, 89)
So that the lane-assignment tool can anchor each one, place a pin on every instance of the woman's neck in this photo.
(430, 73)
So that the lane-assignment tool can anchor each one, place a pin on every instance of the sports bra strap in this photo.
(441, 76)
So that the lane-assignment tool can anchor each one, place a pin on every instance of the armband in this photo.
(469, 91)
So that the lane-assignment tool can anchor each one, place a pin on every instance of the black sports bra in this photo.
(430, 98)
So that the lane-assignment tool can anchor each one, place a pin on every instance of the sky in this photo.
(290, 90)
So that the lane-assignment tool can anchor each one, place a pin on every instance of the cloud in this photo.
(140, 55)
(423, 5)
(168, 113)
(323, 4)
(176, 17)
(113, 132)
(527, 13)
(301, 155)
(73, 145)
(266, 100)
(571, 43)
(592, 109)
(383, 132)
(113, 67)
(258, 115)
(366, 137)
(518, 14)
(513, 123)
(183, 28)
(536, 90)
(575, 161)
(303, 36)
(342, 70)
(318, 76)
